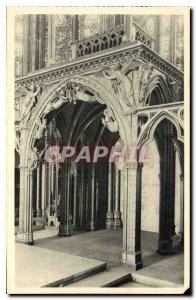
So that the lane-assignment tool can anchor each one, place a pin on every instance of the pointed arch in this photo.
(148, 131)
(104, 95)
(158, 86)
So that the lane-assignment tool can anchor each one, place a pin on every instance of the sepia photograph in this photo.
(98, 162)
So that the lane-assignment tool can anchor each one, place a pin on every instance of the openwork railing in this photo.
(110, 39)
(141, 35)
(99, 42)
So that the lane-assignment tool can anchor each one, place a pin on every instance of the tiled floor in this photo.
(106, 245)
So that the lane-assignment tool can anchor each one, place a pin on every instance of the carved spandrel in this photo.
(71, 92)
(28, 101)
(130, 83)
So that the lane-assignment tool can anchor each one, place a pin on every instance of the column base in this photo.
(117, 220)
(134, 260)
(64, 231)
(34, 213)
(92, 226)
(109, 220)
(165, 247)
(39, 213)
(25, 238)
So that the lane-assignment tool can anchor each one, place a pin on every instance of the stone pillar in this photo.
(25, 234)
(51, 40)
(181, 221)
(75, 198)
(92, 221)
(41, 37)
(49, 190)
(81, 196)
(157, 34)
(43, 204)
(131, 253)
(56, 191)
(33, 42)
(64, 228)
(117, 213)
(129, 28)
(38, 210)
(109, 214)
(173, 39)
(167, 198)
(25, 45)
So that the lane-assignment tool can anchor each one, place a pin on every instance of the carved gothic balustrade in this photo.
(141, 35)
(98, 42)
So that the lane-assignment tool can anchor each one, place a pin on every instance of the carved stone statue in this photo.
(41, 128)
(30, 100)
(121, 85)
(129, 82)
(33, 159)
(109, 120)
(72, 92)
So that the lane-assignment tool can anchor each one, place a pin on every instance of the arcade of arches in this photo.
(129, 102)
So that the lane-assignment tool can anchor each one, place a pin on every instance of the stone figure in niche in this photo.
(109, 120)
(130, 82)
(29, 102)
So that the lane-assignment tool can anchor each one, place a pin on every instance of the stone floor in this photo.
(106, 245)
(38, 267)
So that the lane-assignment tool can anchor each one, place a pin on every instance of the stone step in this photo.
(77, 277)
(153, 282)
(109, 278)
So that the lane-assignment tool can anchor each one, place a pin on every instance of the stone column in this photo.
(92, 222)
(109, 214)
(181, 221)
(75, 198)
(33, 42)
(38, 210)
(157, 34)
(131, 253)
(167, 198)
(56, 191)
(25, 45)
(43, 204)
(64, 228)
(25, 234)
(129, 28)
(172, 39)
(81, 197)
(49, 190)
(117, 213)
(42, 28)
(51, 40)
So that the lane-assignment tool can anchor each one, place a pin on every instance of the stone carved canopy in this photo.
(127, 85)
